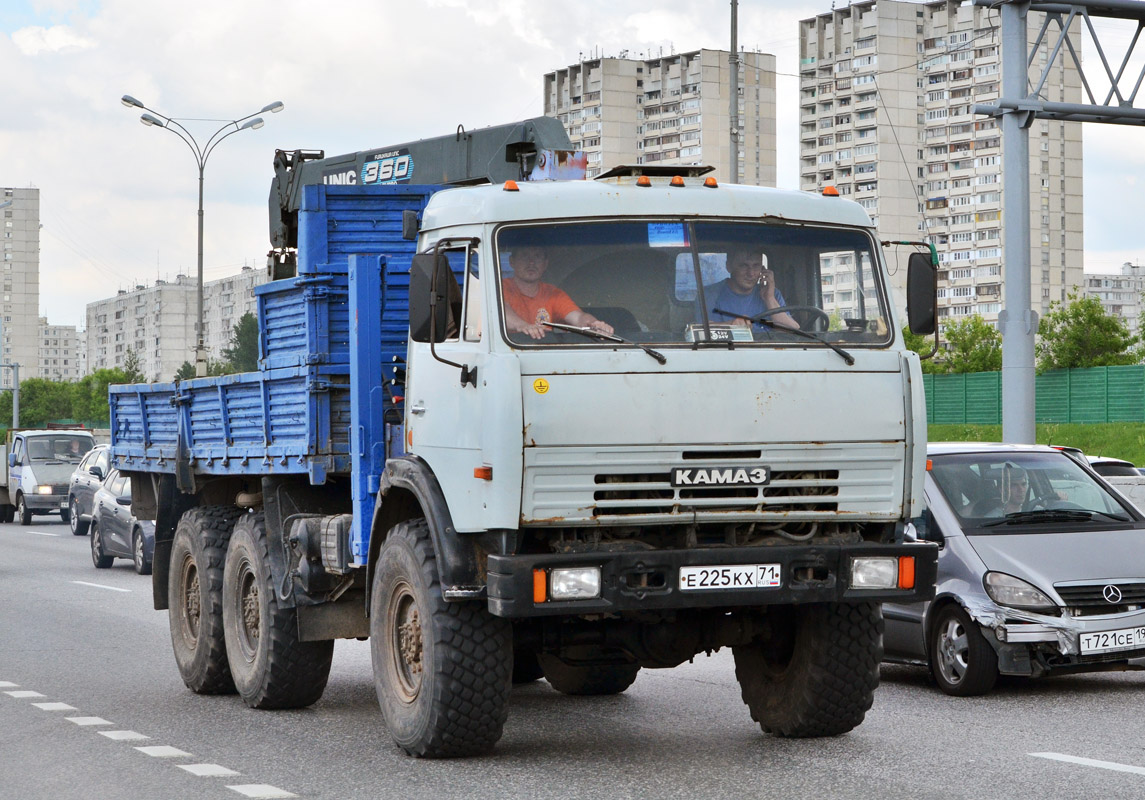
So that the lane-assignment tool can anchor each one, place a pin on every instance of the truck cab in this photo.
(38, 465)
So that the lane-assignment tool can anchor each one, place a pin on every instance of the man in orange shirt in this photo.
(529, 302)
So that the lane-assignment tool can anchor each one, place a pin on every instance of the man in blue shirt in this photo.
(749, 290)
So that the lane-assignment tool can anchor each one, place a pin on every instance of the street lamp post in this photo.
(201, 153)
(15, 393)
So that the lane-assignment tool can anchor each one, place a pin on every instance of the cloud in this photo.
(33, 40)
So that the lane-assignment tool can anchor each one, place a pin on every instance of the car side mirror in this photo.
(921, 294)
(927, 530)
(97, 472)
(125, 500)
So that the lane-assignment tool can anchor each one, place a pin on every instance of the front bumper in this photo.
(45, 502)
(1034, 644)
(649, 579)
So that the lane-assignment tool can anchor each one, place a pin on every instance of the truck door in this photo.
(16, 460)
(443, 415)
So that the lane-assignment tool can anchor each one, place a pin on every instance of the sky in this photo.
(118, 199)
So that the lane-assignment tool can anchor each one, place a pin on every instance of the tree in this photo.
(973, 345)
(41, 401)
(89, 394)
(923, 345)
(1080, 334)
(132, 367)
(242, 355)
(186, 371)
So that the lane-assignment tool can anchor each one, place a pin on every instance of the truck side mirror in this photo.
(921, 294)
(410, 225)
(422, 286)
(11, 459)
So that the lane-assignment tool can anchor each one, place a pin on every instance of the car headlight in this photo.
(43, 489)
(1006, 590)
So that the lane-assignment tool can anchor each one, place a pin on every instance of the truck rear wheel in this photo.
(817, 673)
(195, 598)
(270, 667)
(442, 670)
(587, 680)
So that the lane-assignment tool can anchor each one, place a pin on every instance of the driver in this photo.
(530, 302)
(1014, 491)
(749, 290)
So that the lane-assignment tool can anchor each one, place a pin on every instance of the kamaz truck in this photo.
(491, 500)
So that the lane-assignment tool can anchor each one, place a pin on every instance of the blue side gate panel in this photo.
(295, 414)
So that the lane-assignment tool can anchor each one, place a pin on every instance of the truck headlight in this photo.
(43, 489)
(1006, 590)
(574, 583)
(874, 572)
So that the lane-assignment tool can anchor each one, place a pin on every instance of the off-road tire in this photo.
(442, 671)
(270, 667)
(817, 673)
(587, 680)
(22, 510)
(526, 667)
(195, 598)
(962, 661)
(138, 555)
(100, 559)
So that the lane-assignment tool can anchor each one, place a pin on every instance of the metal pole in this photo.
(1017, 321)
(15, 395)
(733, 110)
(200, 350)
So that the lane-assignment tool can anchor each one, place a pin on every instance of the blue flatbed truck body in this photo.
(329, 340)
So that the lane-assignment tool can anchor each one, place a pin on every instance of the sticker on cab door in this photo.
(540, 386)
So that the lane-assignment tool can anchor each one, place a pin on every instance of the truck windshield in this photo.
(70, 448)
(676, 281)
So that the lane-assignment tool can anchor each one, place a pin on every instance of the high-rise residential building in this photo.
(887, 92)
(157, 322)
(668, 110)
(20, 300)
(1120, 293)
(59, 352)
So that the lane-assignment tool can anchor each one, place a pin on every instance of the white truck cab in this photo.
(38, 464)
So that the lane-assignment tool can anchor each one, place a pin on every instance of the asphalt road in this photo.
(89, 639)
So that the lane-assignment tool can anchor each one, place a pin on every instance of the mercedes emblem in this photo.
(1111, 594)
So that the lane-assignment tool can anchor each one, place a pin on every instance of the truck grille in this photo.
(1088, 599)
(599, 485)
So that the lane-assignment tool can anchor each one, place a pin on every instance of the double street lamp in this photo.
(201, 153)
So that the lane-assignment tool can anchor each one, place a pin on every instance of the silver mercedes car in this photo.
(1041, 569)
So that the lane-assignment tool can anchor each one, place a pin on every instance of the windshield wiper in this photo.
(762, 320)
(595, 334)
(1049, 515)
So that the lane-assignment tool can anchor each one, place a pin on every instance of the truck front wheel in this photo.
(195, 598)
(270, 667)
(443, 671)
(23, 511)
(816, 673)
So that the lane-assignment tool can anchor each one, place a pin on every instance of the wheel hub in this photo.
(251, 614)
(191, 603)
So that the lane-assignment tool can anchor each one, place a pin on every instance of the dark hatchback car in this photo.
(85, 482)
(115, 532)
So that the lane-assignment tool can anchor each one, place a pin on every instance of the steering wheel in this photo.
(818, 315)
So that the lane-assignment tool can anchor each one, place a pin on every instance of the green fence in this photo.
(1099, 394)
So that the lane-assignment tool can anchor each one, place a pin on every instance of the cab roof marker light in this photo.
(677, 180)
(711, 183)
(511, 186)
(830, 191)
(643, 180)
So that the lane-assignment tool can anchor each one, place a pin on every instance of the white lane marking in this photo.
(1090, 762)
(55, 707)
(262, 791)
(123, 736)
(37, 533)
(88, 720)
(24, 693)
(101, 586)
(8, 685)
(208, 770)
(162, 751)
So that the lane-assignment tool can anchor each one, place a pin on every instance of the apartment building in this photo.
(158, 322)
(669, 110)
(887, 92)
(1119, 292)
(59, 352)
(20, 300)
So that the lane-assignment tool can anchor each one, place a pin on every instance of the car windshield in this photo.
(1014, 492)
(69, 448)
(676, 281)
